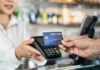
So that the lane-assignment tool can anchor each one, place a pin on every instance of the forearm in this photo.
(18, 53)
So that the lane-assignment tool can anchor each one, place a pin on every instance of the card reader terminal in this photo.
(49, 52)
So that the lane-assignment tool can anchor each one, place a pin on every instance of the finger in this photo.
(64, 49)
(74, 38)
(27, 42)
(38, 58)
(68, 44)
(61, 46)
(29, 54)
(67, 39)
(33, 50)
(71, 38)
(74, 51)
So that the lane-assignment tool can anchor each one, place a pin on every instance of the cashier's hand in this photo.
(81, 46)
(25, 50)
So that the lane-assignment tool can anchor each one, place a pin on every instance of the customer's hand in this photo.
(25, 50)
(81, 46)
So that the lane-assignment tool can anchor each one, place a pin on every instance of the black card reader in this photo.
(49, 52)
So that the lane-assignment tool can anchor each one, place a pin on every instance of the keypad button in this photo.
(46, 51)
(50, 51)
(58, 53)
(53, 50)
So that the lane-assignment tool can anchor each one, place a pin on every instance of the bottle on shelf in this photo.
(32, 16)
(54, 19)
(50, 16)
(38, 16)
(44, 18)
(65, 15)
(59, 19)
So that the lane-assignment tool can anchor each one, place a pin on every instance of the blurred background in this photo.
(57, 15)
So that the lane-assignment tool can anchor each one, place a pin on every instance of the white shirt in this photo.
(9, 40)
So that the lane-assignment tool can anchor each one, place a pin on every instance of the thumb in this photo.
(27, 42)
(69, 39)
(68, 44)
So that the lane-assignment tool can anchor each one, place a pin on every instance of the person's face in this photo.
(8, 6)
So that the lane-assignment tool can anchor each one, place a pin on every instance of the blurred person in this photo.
(81, 46)
(14, 43)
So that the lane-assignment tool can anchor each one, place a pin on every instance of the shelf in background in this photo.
(59, 25)
(55, 25)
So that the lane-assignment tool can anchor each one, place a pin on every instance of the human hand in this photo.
(81, 46)
(25, 50)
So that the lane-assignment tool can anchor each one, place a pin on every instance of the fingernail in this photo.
(42, 58)
(63, 42)
(32, 39)
(59, 45)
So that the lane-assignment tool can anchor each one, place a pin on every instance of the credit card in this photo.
(52, 38)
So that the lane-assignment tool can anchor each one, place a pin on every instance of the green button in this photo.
(58, 53)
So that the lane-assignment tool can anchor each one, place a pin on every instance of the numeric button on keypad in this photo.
(46, 51)
(53, 51)
(50, 51)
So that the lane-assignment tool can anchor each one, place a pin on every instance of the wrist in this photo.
(18, 54)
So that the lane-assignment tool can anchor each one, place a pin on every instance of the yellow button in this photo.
(46, 37)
